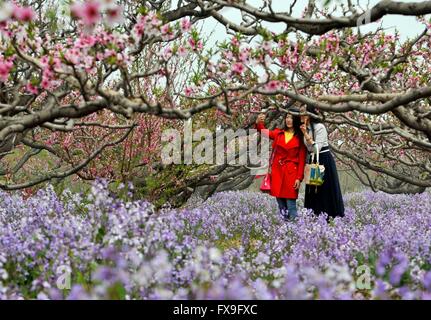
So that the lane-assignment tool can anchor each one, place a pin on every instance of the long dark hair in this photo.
(314, 111)
(296, 124)
(313, 121)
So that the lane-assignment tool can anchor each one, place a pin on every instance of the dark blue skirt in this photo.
(326, 198)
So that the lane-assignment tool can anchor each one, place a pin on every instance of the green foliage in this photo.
(100, 234)
(10, 51)
(143, 10)
(264, 33)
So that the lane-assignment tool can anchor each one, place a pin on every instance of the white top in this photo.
(320, 137)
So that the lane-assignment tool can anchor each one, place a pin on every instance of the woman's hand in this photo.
(307, 137)
(297, 184)
(303, 128)
(261, 118)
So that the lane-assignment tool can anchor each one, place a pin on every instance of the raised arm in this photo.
(260, 126)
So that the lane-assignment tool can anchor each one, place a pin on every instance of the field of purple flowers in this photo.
(234, 246)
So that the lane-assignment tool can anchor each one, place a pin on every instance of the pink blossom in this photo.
(109, 53)
(88, 12)
(186, 25)
(244, 55)
(155, 22)
(273, 85)
(99, 56)
(24, 14)
(73, 56)
(195, 45)
(44, 61)
(238, 68)
(235, 42)
(45, 83)
(188, 91)
(138, 31)
(47, 73)
(356, 86)
(67, 142)
(31, 88)
(228, 55)
(266, 45)
(165, 29)
(5, 68)
(3, 26)
(88, 63)
(121, 58)
(318, 76)
(182, 51)
(76, 10)
(167, 53)
(167, 33)
(56, 63)
(114, 14)
(306, 66)
(85, 41)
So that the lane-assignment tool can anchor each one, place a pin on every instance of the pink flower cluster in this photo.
(332, 41)
(182, 51)
(238, 68)
(50, 65)
(186, 25)
(90, 12)
(12, 11)
(290, 58)
(273, 86)
(147, 24)
(167, 32)
(78, 53)
(31, 88)
(244, 55)
(6, 66)
(196, 45)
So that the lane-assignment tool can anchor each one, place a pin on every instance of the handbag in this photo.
(266, 182)
(314, 172)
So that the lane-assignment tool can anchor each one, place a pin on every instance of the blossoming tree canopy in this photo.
(61, 65)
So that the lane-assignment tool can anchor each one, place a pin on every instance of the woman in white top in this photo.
(326, 198)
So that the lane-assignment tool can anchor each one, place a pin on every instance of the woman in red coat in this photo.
(287, 169)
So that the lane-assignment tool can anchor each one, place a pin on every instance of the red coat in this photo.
(288, 164)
